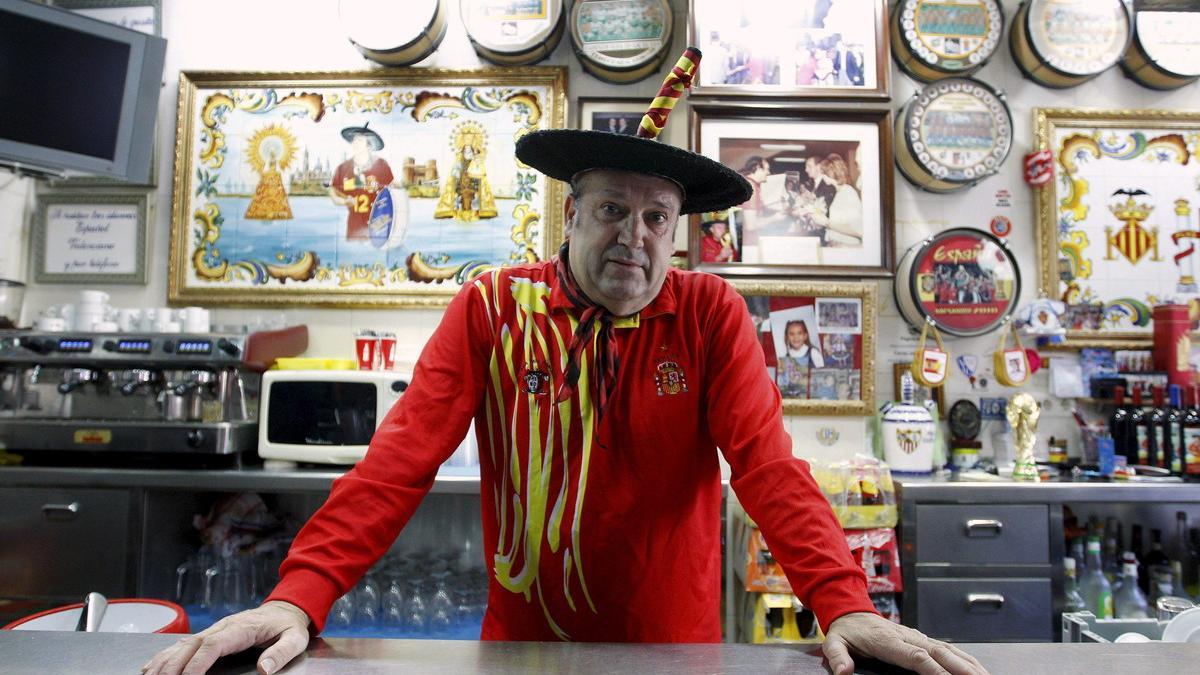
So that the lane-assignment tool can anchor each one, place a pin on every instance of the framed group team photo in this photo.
(818, 339)
(823, 194)
(389, 188)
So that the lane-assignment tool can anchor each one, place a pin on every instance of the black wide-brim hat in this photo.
(564, 153)
(349, 133)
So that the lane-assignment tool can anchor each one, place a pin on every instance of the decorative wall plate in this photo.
(1062, 43)
(965, 280)
(393, 33)
(952, 134)
(621, 41)
(513, 33)
(933, 39)
(1165, 50)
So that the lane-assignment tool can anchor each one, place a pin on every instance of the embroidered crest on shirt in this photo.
(669, 378)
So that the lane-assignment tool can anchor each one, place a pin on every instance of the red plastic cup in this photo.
(366, 349)
(387, 351)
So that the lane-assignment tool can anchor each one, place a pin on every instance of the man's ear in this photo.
(568, 215)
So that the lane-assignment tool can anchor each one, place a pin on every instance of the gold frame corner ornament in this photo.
(554, 78)
(865, 291)
(1046, 121)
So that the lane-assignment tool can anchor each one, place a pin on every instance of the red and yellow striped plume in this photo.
(678, 79)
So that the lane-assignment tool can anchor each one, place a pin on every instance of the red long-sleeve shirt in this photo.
(601, 530)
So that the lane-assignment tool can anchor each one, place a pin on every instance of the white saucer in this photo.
(1185, 627)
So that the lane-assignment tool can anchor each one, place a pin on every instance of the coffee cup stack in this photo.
(93, 313)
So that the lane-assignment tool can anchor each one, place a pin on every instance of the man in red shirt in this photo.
(602, 383)
(358, 180)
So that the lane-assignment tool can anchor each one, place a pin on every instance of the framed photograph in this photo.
(623, 115)
(368, 189)
(804, 48)
(1119, 225)
(921, 393)
(90, 238)
(823, 193)
(818, 371)
(139, 15)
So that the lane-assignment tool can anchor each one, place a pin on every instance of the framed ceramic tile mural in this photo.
(358, 189)
(1118, 226)
(819, 342)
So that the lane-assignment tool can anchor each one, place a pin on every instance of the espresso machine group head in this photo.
(145, 394)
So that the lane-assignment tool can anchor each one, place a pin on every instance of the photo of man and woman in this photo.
(804, 362)
(807, 198)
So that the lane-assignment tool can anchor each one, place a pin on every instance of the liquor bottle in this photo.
(1156, 561)
(1136, 548)
(1169, 446)
(1078, 555)
(1095, 589)
(1157, 428)
(1118, 424)
(1112, 549)
(1191, 434)
(1072, 600)
(1128, 601)
(1178, 589)
(1139, 421)
(1181, 552)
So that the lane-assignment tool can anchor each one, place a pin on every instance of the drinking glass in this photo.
(416, 613)
(366, 601)
(341, 615)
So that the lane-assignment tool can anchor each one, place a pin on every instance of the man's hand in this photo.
(872, 635)
(279, 624)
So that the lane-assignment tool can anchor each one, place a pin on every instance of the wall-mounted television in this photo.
(77, 96)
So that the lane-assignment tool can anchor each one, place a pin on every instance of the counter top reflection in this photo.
(28, 652)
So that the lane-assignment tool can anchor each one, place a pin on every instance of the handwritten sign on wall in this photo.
(85, 240)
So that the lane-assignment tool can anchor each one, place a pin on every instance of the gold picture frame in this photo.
(832, 372)
(280, 181)
(1110, 270)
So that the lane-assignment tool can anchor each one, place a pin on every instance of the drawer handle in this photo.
(60, 511)
(981, 528)
(994, 599)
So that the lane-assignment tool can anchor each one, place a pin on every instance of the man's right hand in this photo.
(281, 625)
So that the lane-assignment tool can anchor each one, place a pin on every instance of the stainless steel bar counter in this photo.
(40, 653)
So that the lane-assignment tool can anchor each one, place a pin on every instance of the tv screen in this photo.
(77, 95)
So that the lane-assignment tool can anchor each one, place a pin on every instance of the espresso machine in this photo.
(181, 396)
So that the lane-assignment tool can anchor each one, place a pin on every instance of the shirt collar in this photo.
(662, 304)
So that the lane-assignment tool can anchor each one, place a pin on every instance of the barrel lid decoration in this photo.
(513, 32)
(1165, 50)
(1062, 43)
(621, 40)
(965, 280)
(954, 132)
(394, 33)
(932, 39)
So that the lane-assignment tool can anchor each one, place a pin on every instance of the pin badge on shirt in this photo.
(535, 381)
(669, 378)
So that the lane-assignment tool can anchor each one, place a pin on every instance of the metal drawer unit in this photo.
(60, 543)
(981, 571)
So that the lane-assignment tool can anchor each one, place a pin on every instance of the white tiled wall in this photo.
(281, 35)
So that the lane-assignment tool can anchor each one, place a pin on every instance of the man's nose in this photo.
(633, 232)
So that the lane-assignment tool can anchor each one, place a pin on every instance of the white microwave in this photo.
(329, 416)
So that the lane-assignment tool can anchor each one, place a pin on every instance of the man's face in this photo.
(359, 143)
(760, 174)
(718, 230)
(622, 232)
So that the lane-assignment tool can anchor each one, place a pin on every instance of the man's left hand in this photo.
(872, 635)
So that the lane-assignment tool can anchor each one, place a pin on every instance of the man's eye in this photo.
(610, 208)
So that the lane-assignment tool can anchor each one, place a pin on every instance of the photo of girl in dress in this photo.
(797, 350)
